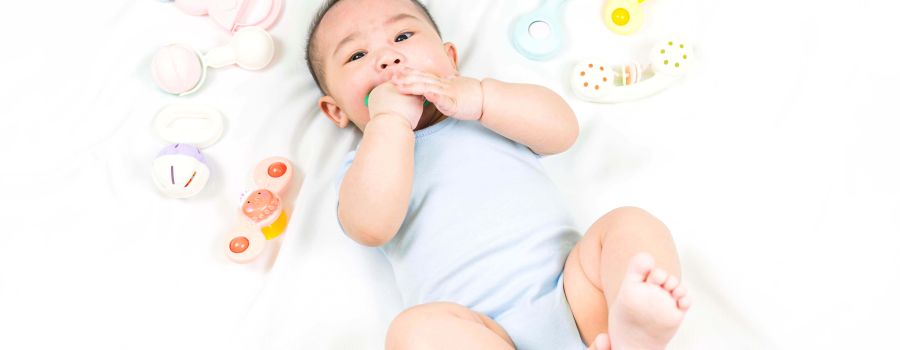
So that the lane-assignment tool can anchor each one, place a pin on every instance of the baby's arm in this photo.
(375, 192)
(532, 115)
(529, 114)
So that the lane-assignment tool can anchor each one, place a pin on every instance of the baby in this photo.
(447, 182)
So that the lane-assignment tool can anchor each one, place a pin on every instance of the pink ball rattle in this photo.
(181, 70)
(262, 215)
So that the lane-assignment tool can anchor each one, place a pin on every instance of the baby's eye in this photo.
(403, 36)
(357, 56)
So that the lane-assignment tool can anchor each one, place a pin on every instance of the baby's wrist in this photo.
(486, 85)
(393, 118)
(481, 99)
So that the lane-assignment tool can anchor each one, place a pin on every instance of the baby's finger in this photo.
(416, 78)
(444, 103)
(412, 73)
(419, 88)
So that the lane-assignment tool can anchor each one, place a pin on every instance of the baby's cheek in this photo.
(444, 65)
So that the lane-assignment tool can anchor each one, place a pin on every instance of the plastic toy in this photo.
(189, 123)
(262, 216)
(594, 81)
(538, 35)
(366, 100)
(234, 15)
(180, 170)
(623, 16)
(180, 70)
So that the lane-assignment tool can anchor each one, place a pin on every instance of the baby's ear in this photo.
(451, 53)
(329, 106)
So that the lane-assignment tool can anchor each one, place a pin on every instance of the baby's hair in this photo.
(312, 52)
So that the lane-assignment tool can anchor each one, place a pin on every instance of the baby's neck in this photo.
(430, 117)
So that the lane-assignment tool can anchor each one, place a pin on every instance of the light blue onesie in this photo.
(487, 229)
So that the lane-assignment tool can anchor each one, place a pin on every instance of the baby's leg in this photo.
(445, 326)
(613, 289)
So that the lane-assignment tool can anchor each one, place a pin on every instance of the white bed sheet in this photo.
(774, 162)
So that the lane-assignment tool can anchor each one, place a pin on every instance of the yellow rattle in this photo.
(623, 16)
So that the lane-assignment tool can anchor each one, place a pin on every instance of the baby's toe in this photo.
(658, 276)
(639, 266)
(679, 292)
(601, 342)
(671, 283)
(684, 303)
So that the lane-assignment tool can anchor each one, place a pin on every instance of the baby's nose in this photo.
(389, 61)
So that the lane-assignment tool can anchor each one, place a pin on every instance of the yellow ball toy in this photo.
(623, 16)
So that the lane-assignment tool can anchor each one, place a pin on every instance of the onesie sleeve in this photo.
(342, 171)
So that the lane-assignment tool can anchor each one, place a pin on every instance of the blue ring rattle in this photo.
(538, 35)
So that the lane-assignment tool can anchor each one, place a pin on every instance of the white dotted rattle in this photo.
(595, 81)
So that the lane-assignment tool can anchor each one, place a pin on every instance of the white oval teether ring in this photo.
(194, 124)
(180, 70)
(595, 81)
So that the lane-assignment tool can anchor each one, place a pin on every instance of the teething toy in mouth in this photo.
(180, 70)
(366, 100)
(262, 215)
(595, 81)
(623, 16)
(538, 35)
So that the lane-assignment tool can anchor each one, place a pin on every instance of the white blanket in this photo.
(774, 162)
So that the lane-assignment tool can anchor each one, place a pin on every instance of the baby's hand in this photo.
(455, 96)
(385, 99)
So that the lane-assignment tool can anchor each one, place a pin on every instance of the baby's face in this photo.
(362, 42)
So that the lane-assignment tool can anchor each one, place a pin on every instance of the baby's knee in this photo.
(632, 217)
(629, 213)
(414, 324)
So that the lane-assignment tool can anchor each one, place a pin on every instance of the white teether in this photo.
(194, 124)
(595, 81)
(250, 48)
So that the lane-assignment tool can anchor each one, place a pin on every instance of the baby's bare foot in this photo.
(648, 310)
